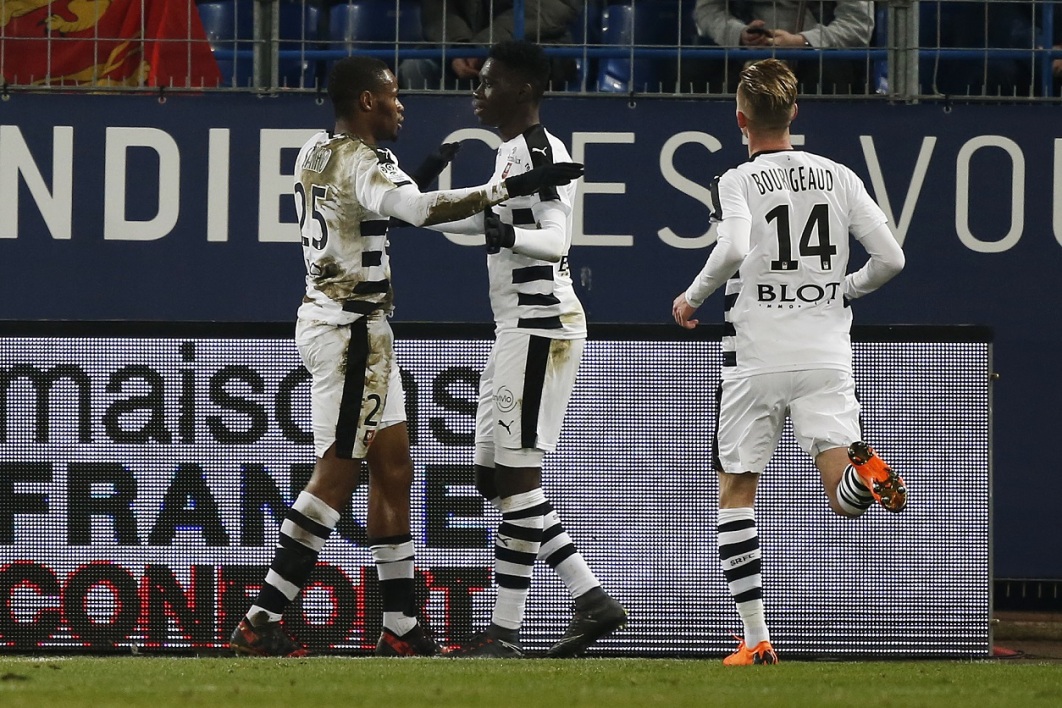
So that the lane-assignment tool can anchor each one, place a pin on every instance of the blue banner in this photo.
(132, 208)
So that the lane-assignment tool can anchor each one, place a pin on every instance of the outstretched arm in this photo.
(470, 226)
(426, 208)
(423, 209)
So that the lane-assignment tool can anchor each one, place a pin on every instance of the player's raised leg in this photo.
(848, 494)
(884, 483)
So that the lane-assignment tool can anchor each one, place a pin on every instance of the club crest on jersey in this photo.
(514, 160)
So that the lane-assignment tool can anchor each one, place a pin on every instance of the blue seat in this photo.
(299, 30)
(374, 24)
(586, 30)
(975, 26)
(646, 22)
(880, 71)
(229, 25)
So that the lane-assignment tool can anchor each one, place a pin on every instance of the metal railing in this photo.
(913, 50)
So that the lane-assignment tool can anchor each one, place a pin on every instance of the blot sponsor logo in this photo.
(788, 296)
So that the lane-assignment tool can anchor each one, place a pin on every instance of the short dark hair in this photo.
(351, 76)
(525, 59)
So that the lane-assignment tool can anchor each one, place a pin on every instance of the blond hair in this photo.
(767, 91)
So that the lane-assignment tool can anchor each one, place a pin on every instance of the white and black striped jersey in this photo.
(785, 221)
(526, 293)
(340, 182)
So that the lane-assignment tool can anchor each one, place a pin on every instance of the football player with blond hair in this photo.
(782, 260)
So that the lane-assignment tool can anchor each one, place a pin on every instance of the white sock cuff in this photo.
(392, 552)
(524, 500)
(739, 514)
(313, 508)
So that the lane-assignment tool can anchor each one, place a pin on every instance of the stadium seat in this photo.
(642, 23)
(880, 71)
(229, 25)
(298, 30)
(975, 26)
(371, 24)
(586, 29)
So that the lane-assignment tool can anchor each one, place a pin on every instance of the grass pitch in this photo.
(160, 682)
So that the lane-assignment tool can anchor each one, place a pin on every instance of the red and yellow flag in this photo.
(104, 43)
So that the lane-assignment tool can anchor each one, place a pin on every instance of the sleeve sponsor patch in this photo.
(393, 174)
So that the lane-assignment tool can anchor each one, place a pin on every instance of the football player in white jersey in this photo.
(540, 332)
(347, 188)
(782, 258)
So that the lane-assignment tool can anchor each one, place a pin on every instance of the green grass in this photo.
(160, 682)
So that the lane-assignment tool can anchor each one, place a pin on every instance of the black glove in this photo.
(543, 176)
(434, 164)
(498, 235)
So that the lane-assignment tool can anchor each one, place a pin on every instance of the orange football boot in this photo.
(762, 653)
(886, 486)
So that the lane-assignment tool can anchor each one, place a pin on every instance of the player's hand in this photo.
(434, 164)
(543, 176)
(498, 235)
(682, 312)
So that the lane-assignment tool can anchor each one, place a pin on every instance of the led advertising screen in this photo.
(144, 469)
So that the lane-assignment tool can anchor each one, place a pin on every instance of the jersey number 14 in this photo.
(817, 225)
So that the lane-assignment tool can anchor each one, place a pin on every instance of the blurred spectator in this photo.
(794, 25)
(483, 23)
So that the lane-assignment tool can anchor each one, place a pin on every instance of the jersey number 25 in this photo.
(317, 194)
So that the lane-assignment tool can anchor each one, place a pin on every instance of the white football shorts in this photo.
(752, 412)
(523, 394)
(356, 387)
